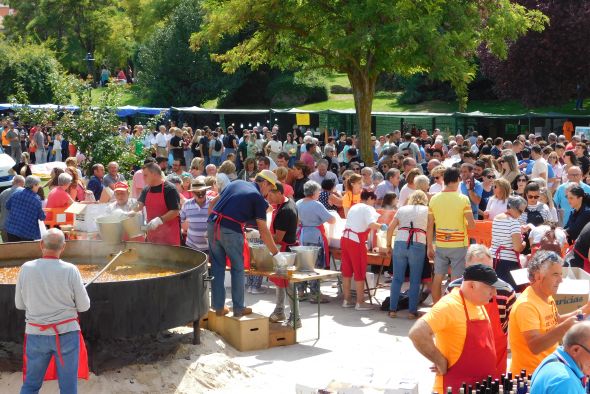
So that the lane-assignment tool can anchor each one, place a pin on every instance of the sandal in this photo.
(393, 314)
(412, 316)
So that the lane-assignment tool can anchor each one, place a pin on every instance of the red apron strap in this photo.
(53, 326)
(411, 232)
(499, 251)
(584, 259)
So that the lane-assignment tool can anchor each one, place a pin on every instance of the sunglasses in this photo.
(490, 177)
(533, 197)
(356, 168)
(521, 180)
(200, 194)
(583, 347)
(437, 177)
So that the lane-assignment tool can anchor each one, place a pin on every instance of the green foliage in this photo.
(366, 38)
(30, 68)
(170, 73)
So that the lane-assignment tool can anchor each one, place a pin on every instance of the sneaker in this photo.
(277, 316)
(243, 312)
(364, 307)
(289, 323)
(249, 289)
(347, 304)
(257, 290)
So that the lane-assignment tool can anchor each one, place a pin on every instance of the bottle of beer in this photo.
(449, 390)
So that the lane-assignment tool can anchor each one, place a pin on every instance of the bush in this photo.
(339, 89)
(287, 91)
(33, 67)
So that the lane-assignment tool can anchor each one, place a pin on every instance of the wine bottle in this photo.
(521, 389)
(449, 390)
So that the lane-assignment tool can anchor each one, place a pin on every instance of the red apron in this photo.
(412, 231)
(324, 241)
(169, 232)
(500, 339)
(584, 259)
(283, 283)
(478, 345)
(51, 372)
(217, 231)
(355, 251)
(499, 250)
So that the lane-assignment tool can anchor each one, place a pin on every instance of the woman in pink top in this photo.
(58, 197)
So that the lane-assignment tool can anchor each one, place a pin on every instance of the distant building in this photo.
(4, 11)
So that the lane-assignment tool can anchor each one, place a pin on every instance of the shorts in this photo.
(353, 259)
(454, 257)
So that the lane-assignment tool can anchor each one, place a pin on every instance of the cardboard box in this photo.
(216, 323)
(204, 322)
(86, 215)
(280, 335)
(247, 332)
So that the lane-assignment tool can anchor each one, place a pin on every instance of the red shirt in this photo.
(58, 198)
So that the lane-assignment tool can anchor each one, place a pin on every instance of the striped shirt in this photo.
(502, 230)
(505, 298)
(197, 224)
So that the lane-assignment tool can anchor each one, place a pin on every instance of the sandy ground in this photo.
(362, 348)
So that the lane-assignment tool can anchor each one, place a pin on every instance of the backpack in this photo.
(217, 146)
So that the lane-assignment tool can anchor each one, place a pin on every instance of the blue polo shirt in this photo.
(241, 201)
(478, 189)
(557, 374)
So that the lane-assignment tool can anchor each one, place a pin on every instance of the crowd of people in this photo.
(207, 189)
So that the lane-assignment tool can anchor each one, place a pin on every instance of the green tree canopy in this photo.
(364, 38)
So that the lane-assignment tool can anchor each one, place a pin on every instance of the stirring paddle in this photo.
(102, 271)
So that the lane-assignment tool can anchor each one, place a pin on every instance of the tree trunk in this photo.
(363, 91)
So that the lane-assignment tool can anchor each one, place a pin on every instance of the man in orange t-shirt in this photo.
(536, 327)
(568, 129)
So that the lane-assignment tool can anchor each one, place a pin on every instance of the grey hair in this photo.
(53, 239)
(476, 252)
(323, 162)
(367, 170)
(421, 182)
(577, 334)
(175, 179)
(377, 176)
(64, 179)
(541, 262)
(310, 188)
(515, 202)
(18, 180)
(32, 181)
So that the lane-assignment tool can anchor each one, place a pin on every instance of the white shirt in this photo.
(408, 216)
(316, 177)
(540, 167)
(359, 217)
(161, 140)
(275, 146)
(404, 194)
(495, 207)
(435, 188)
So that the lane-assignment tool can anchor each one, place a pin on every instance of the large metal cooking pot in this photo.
(124, 308)
(134, 226)
(306, 257)
(110, 228)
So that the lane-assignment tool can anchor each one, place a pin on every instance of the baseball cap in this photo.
(121, 186)
(269, 176)
(482, 273)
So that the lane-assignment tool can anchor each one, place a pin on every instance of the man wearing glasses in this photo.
(574, 176)
(536, 327)
(563, 370)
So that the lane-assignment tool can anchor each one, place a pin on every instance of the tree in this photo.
(366, 38)
(170, 73)
(543, 68)
(30, 68)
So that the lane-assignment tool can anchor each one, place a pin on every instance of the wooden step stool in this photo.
(247, 332)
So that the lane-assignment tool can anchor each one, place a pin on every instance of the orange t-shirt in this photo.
(530, 312)
(349, 199)
(568, 129)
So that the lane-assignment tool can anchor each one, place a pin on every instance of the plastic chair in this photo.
(482, 233)
(57, 217)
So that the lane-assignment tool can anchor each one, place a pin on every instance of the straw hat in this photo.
(198, 186)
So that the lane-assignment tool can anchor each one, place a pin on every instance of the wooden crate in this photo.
(216, 323)
(247, 332)
(280, 335)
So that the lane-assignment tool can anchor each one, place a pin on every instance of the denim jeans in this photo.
(215, 160)
(40, 348)
(402, 257)
(314, 285)
(230, 244)
(254, 281)
(226, 152)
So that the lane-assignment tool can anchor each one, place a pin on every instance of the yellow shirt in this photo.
(448, 209)
(349, 199)
(447, 321)
(529, 312)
